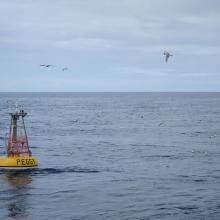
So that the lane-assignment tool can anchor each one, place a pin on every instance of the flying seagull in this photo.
(65, 68)
(167, 54)
(46, 65)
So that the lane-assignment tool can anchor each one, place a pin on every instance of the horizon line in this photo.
(109, 91)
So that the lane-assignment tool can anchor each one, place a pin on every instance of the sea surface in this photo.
(117, 156)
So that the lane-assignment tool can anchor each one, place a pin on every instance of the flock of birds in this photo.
(165, 53)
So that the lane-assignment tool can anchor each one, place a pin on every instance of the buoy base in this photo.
(21, 162)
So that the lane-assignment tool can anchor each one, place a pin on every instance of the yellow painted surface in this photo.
(18, 161)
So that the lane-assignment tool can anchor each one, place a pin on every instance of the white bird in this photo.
(167, 54)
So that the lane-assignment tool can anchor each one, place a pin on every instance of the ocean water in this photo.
(115, 156)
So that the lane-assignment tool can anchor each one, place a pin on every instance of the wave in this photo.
(36, 171)
(65, 170)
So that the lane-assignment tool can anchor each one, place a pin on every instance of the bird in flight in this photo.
(167, 54)
(46, 65)
(64, 69)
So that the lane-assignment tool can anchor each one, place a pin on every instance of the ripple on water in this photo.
(36, 171)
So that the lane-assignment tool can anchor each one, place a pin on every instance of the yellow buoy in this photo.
(18, 155)
(18, 162)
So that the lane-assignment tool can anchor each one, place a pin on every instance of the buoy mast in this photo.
(17, 140)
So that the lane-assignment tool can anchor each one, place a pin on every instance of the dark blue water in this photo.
(116, 156)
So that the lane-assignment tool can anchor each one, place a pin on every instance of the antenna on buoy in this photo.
(16, 107)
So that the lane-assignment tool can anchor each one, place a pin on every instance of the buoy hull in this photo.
(24, 162)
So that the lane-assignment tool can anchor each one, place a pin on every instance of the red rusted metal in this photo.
(17, 140)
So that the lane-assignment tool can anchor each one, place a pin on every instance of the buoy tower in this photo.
(17, 147)
(18, 142)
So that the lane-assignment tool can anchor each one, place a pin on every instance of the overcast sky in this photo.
(109, 45)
